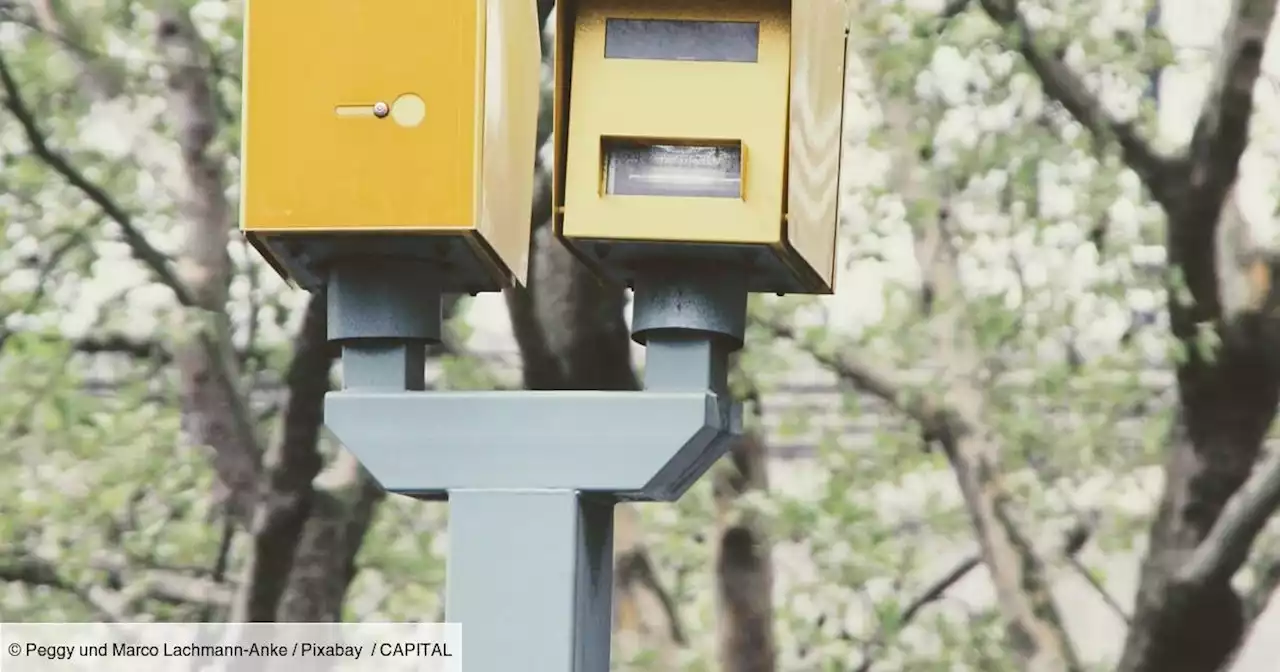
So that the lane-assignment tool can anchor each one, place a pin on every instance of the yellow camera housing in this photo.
(391, 128)
(707, 130)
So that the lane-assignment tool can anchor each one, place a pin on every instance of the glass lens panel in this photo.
(633, 169)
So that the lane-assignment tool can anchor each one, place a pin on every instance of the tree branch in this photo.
(1019, 575)
(862, 375)
(1073, 542)
(75, 238)
(218, 573)
(1222, 130)
(1033, 622)
(1226, 548)
(157, 584)
(99, 73)
(142, 249)
(1101, 590)
(931, 593)
(1068, 89)
(635, 570)
(1207, 220)
(972, 446)
(147, 349)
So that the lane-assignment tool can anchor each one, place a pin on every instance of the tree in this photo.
(1187, 615)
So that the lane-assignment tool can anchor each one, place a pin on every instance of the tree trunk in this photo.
(343, 505)
(292, 464)
(744, 566)
(1227, 401)
(214, 408)
(1187, 615)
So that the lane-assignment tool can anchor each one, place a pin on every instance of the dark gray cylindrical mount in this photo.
(382, 298)
(709, 299)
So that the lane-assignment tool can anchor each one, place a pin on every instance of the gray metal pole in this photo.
(530, 578)
(532, 477)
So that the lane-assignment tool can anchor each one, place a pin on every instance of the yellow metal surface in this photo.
(513, 69)
(679, 100)
(566, 17)
(308, 167)
(817, 102)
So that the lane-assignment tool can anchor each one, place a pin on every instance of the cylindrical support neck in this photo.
(383, 312)
(690, 321)
(677, 298)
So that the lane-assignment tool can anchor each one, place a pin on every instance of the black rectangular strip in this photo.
(667, 40)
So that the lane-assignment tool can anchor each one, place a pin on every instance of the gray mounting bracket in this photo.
(532, 477)
(640, 446)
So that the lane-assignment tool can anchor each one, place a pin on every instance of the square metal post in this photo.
(530, 577)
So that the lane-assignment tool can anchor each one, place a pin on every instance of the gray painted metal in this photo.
(532, 477)
(766, 270)
(648, 446)
(383, 312)
(675, 298)
(678, 361)
(375, 298)
(530, 577)
(394, 366)
(308, 257)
